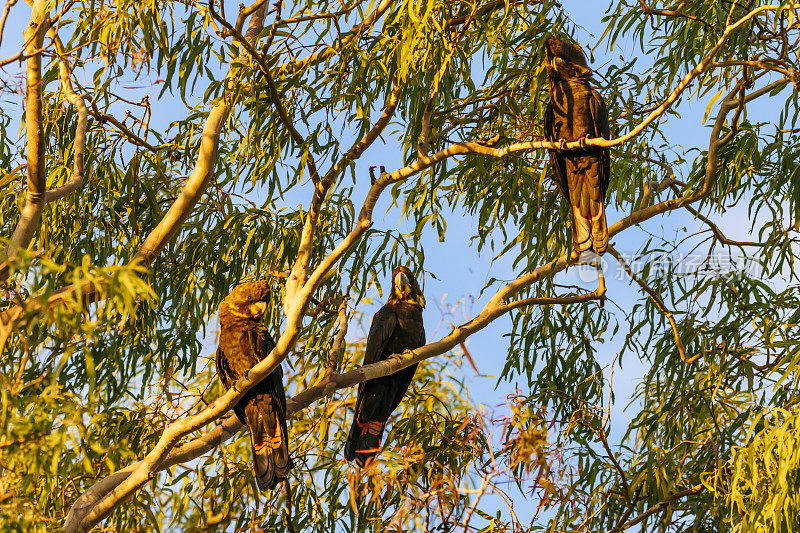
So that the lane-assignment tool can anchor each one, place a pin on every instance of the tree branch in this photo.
(159, 236)
(676, 12)
(663, 504)
(6, 10)
(332, 382)
(718, 233)
(79, 143)
(298, 280)
(335, 353)
(659, 305)
(37, 192)
(31, 213)
(123, 129)
(329, 51)
(275, 96)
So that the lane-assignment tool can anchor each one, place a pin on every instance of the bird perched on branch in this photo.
(575, 112)
(396, 327)
(243, 342)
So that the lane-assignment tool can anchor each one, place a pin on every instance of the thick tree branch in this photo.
(158, 236)
(362, 144)
(34, 203)
(332, 382)
(203, 169)
(38, 193)
(299, 279)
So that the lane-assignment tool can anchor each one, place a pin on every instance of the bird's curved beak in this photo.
(584, 72)
(402, 284)
(258, 308)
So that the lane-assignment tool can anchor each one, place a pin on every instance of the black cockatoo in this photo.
(577, 111)
(396, 327)
(243, 342)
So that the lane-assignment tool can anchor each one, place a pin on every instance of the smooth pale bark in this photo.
(31, 214)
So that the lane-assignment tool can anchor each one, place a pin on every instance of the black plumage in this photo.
(577, 111)
(243, 342)
(396, 327)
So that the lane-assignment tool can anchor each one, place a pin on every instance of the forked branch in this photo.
(659, 303)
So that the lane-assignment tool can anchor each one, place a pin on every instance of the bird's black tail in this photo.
(270, 449)
(364, 440)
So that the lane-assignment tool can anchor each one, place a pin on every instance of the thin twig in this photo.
(6, 10)
(335, 353)
(663, 504)
(659, 305)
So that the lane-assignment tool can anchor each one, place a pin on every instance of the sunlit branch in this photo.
(22, 56)
(671, 13)
(330, 50)
(775, 65)
(123, 129)
(730, 102)
(6, 11)
(360, 146)
(299, 281)
(31, 214)
(485, 480)
(79, 143)
(245, 12)
(37, 195)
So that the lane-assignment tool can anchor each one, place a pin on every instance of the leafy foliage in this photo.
(89, 383)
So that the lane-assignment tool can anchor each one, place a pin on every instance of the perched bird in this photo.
(576, 111)
(243, 342)
(396, 327)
